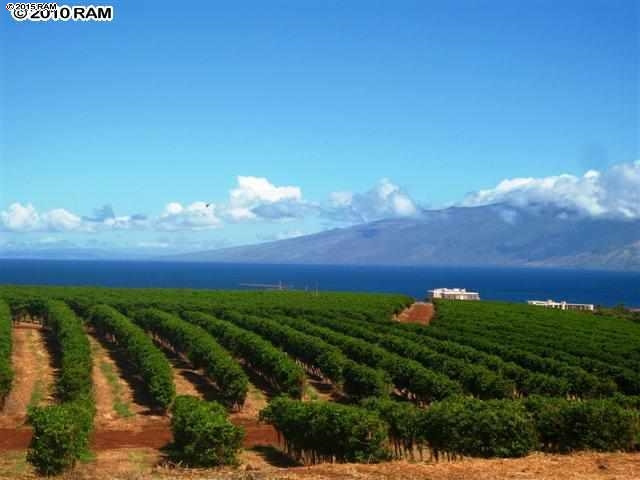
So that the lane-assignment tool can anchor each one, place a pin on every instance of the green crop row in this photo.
(505, 428)
(148, 361)
(356, 380)
(475, 379)
(317, 432)
(201, 350)
(410, 377)
(282, 373)
(6, 371)
(574, 340)
(61, 432)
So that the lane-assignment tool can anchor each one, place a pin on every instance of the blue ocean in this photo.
(510, 284)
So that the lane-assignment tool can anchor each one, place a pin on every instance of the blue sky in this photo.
(394, 105)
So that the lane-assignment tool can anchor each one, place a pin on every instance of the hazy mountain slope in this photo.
(491, 235)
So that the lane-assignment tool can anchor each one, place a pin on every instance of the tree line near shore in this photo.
(484, 379)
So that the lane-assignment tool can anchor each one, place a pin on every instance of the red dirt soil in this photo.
(31, 364)
(152, 436)
(419, 312)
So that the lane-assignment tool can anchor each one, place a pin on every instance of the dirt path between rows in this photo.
(419, 312)
(34, 374)
(193, 382)
(118, 391)
(122, 418)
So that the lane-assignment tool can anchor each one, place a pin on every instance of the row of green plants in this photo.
(379, 429)
(537, 375)
(147, 360)
(321, 359)
(503, 428)
(518, 327)
(416, 382)
(6, 370)
(202, 351)
(283, 374)
(353, 305)
(599, 424)
(580, 333)
(530, 376)
(526, 380)
(475, 379)
(61, 432)
(562, 366)
(315, 432)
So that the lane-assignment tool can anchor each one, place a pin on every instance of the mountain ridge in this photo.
(493, 235)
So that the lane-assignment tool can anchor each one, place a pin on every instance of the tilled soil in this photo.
(34, 374)
(419, 312)
(120, 402)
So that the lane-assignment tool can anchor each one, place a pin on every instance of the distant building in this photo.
(562, 305)
(453, 294)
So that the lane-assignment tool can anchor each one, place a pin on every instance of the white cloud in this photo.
(61, 220)
(153, 244)
(385, 200)
(340, 199)
(614, 192)
(255, 193)
(25, 218)
(196, 216)
(20, 218)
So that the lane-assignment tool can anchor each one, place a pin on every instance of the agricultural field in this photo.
(135, 382)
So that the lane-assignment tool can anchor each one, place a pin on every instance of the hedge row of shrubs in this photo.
(6, 372)
(61, 432)
(149, 362)
(502, 428)
(603, 425)
(282, 373)
(548, 376)
(73, 350)
(574, 346)
(410, 377)
(203, 436)
(459, 426)
(317, 432)
(201, 350)
(356, 380)
(477, 380)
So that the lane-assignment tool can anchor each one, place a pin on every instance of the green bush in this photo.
(470, 427)
(565, 425)
(325, 432)
(403, 419)
(203, 436)
(60, 435)
(6, 372)
(361, 381)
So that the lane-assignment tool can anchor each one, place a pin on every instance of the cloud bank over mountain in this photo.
(611, 193)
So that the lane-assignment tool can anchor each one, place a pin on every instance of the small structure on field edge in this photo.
(562, 305)
(453, 294)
